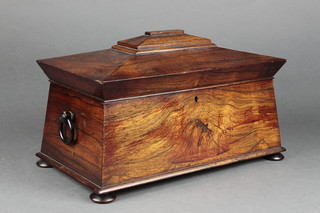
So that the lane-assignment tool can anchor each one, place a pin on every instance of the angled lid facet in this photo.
(157, 62)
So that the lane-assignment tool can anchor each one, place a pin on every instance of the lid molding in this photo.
(164, 32)
(112, 74)
(162, 41)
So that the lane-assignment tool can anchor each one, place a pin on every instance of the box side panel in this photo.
(85, 156)
(160, 134)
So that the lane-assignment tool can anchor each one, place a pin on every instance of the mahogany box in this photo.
(157, 106)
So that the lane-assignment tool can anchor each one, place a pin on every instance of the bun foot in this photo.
(274, 157)
(42, 164)
(102, 198)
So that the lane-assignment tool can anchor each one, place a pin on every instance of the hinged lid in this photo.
(157, 62)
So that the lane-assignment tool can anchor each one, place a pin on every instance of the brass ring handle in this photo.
(66, 118)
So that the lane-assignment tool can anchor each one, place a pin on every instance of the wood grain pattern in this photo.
(130, 142)
(145, 180)
(154, 135)
(185, 106)
(164, 32)
(116, 73)
(155, 41)
(86, 155)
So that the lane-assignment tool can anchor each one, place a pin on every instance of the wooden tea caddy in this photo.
(157, 106)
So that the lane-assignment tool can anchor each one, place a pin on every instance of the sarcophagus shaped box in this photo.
(157, 106)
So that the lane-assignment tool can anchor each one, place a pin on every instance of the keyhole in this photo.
(196, 99)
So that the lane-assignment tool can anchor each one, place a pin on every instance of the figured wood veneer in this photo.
(174, 61)
(127, 141)
(157, 106)
(85, 156)
(154, 135)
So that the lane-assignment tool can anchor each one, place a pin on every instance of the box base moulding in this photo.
(157, 106)
(104, 194)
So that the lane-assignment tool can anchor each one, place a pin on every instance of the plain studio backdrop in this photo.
(35, 29)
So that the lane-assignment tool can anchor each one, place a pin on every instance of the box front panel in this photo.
(149, 136)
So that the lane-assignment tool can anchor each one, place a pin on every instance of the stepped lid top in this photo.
(162, 41)
(157, 62)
